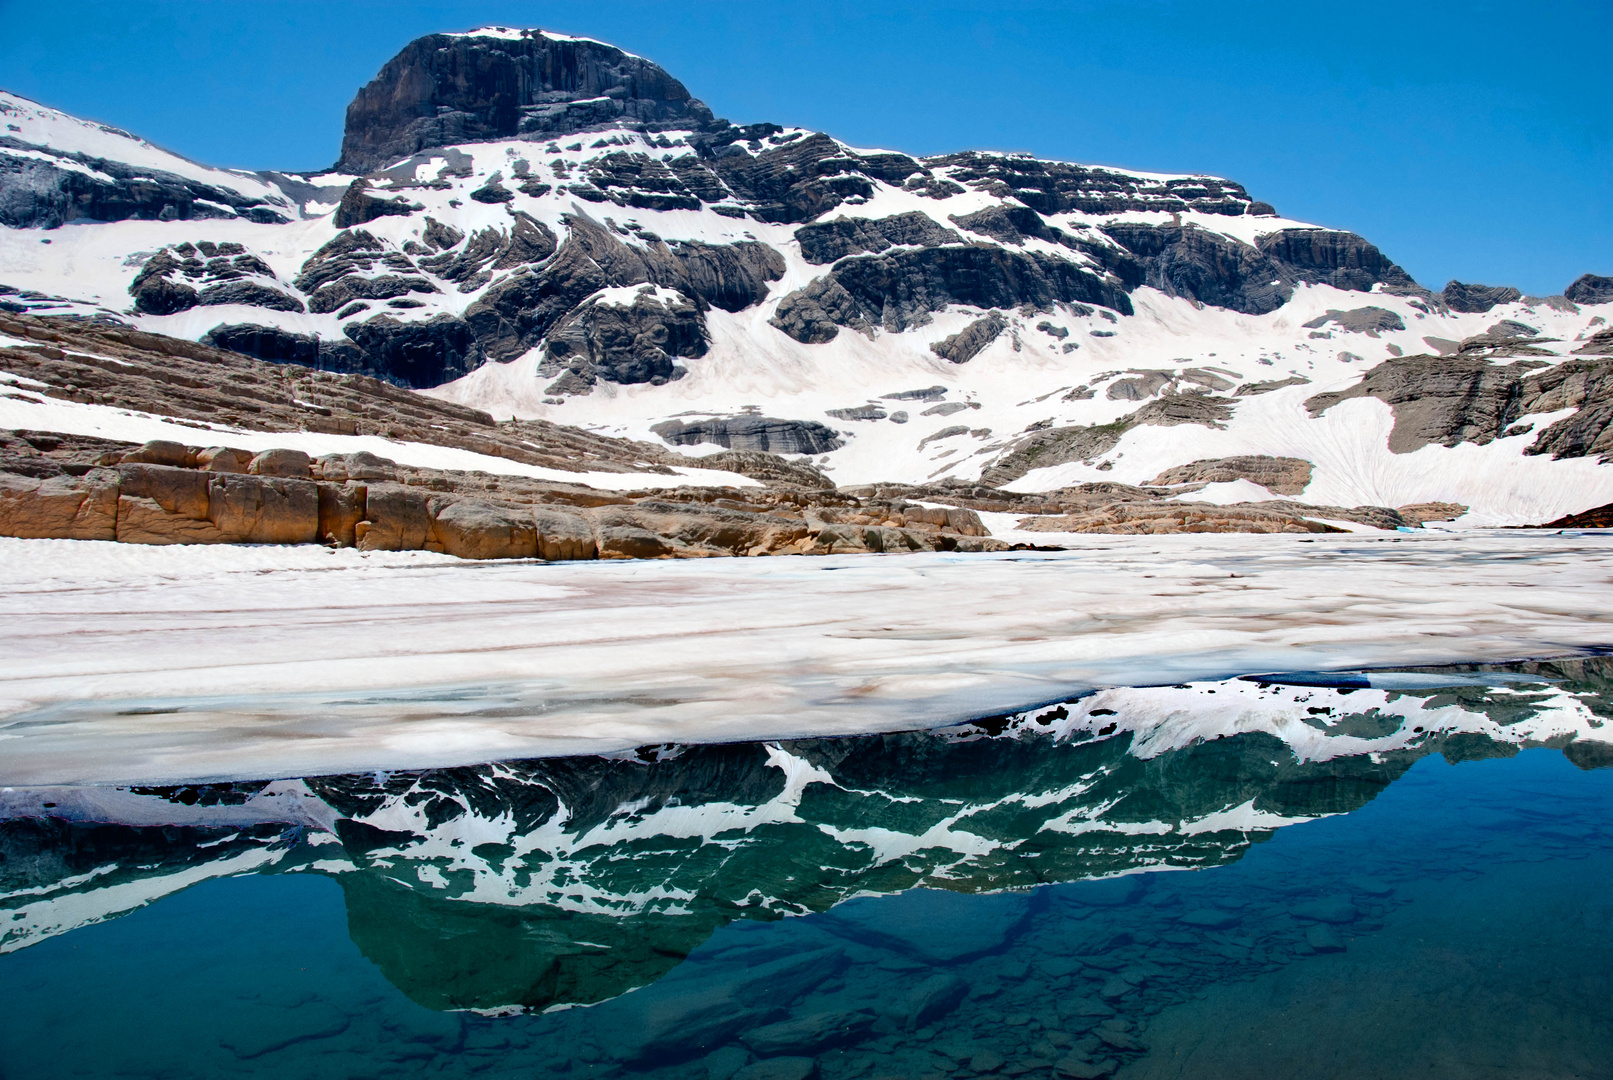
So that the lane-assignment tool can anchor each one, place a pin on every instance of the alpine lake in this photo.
(1002, 898)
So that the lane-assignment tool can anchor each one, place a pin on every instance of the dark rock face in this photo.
(187, 275)
(37, 193)
(1340, 259)
(1591, 289)
(1008, 224)
(1477, 299)
(1051, 187)
(1444, 400)
(358, 206)
(753, 433)
(633, 344)
(1202, 266)
(900, 290)
(1468, 398)
(1366, 320)
(284, 347)
(427, 353)
(966, 344)
(800, 179)
(1058, 446)
(357, 266)
(831, 241)
(513, 316)
(444, 89)
(528, 241)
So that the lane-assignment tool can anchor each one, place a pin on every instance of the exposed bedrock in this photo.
(804, 178)
(1279, 475)
(1061, 445)
(1202, 266)
(966, 344)
(1477, 299)
(527, 241)
(40, 188)
(1051, 187)
(444, 89)
(624, 343)
(753, 433)
(426, 353)
(515, 314)
(355, 265)
(413, 354)
(1328, 257)
(185, 276)
(831, 241)
(358, 206)
(1366, 320)
(1590, 289)
(902, 289)
(1184, 517)
(1469, 398)
(66, 487)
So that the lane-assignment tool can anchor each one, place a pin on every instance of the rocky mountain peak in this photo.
(493, 83)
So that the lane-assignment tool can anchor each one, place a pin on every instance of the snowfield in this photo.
(122, 663)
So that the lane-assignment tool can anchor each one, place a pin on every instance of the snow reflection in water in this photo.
(949, 923)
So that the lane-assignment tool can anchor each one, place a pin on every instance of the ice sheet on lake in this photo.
(121, 663)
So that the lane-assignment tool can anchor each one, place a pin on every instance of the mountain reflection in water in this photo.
(570, 881)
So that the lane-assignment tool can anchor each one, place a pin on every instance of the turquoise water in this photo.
(901, 906)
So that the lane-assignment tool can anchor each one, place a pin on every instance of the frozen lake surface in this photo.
(121, 663)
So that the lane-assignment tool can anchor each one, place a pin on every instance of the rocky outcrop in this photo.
(191, 275)
(1329, 257)
(631, 342)
(200, 384)
(1170, 517)
(1060, 445)
(966, 344)
(901, 290)
(45, 188)
(831, 241)
(796, 178)
(516, 314)
(753, 433)
(1441, 400)
(426, 353)
(1477, 299)
(1052, 187)
(1590, 289)
(471, 263)
(1200, 265)
(1280, 475)
(453, 88)
(1597, 517)
(358, 206)
(167, 493)
(357, 266)
(1370, 321)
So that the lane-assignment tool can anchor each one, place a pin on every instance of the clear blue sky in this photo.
(1469, 140)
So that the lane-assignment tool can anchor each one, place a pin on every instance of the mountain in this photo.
(546, 227)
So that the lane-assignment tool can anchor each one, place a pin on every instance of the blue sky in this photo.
(1468, 140)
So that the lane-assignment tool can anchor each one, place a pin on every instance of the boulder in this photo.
(59, 507)
(359, 465)
(290, 463)
(562, 536)
(395, 519)
(161, 452)
(929, 1000)
(809, 1034)
(264, 509)
(476, 530)
(967, 343)
(178, 492)
(222, 459)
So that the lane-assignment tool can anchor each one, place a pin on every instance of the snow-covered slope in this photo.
(629, 264)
